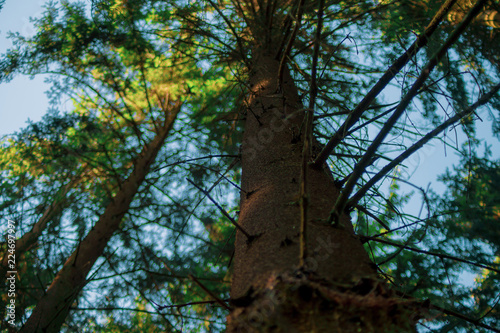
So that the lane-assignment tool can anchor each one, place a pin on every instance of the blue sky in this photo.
(22, 98)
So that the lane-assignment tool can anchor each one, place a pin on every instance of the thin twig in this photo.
(194, 159)
(461, 316)
(367, 212)
(177, 306)
(307, 147)
(429, 305)
(288, 48)
(435, 254)
(191, 212)
(211, 294)
(221, 209)
(230, 26)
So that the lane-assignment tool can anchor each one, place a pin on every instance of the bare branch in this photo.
(217, 299)
(230, 26)
(382, 83)
(30, 238)
(420, 143)
(435, 254)
(223, 211)
(388, 126)
(284, 56)
(461, 316)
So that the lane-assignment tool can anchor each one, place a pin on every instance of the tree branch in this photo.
(360, 167)
(420, 143)
(435, 254)
(382, 83)
(52, 309)
(223, 211)
(211, 294)
(288, 48)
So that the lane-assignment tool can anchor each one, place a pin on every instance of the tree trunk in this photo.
(337, 289)
(53, 308)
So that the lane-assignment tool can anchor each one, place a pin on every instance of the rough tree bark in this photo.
(337, 289)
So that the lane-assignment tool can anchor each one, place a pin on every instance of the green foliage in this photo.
(121, 84)
(463, 224)
(120, 66)
(470, 227)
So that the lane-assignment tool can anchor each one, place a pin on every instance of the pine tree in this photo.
(127, 201)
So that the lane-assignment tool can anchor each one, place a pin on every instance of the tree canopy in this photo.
(126, 206)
